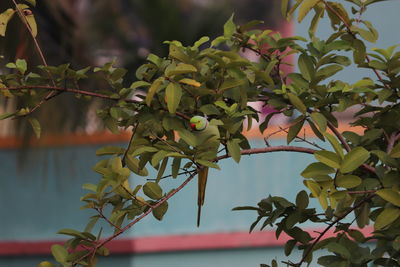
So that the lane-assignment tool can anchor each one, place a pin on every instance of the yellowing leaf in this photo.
(305, 7)
(152, 90)
(234, 150)
(335, 144)
(348, 181)
(386, 217)
(181, 68)
(314, 187)
(152, 190)
(296, 101)
(173, 95)
(133, 164)
(190, 82)
(354, 159)
(35, 126)
(329, 158)
(390, 196)
(4, 19)
(395, 153)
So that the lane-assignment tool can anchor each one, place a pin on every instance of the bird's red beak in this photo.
(193, 126)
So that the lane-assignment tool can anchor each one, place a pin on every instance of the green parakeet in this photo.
(207, 143)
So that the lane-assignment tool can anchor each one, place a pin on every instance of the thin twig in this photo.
(83, 92)
(130, 144)
(100, 212)
(41, 55)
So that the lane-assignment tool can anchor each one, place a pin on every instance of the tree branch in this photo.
(271, 149)
(83, 92)
(105, 241)
(338, 219)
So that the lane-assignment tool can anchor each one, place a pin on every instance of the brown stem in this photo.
(83, 92)
(271, 149)
(338, 219)
(391, 140)
(339, 136)
(100, 212)
(347, 147)
(129, 145)
(361, 192)
(41, 55)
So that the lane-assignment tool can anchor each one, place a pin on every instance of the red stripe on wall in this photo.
(170, 243)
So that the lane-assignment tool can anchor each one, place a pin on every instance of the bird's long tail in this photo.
(203, 174)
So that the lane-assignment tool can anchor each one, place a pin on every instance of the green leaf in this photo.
(6, 115)
(110, 150)
(153, 89)
(133, 164)
(296, 101)
(359, 51)
(46, 264)
(354, 159)
(386, 217)
(339, 249)
(29, 18)
(329, 158)
(176, 164)
(160, 211)
(294, 130)
(335, 144)
(181, 68)
(230, 83)
(59, 252)
(284, 7)
(173, 94)
(395, 153)
(35, 126)
(348, 181)
(316, 169)
(328, 71)
(306, 66)
(157, 157)
(320, 120)
(139, 84)
(289, 246)
(390, 196)
(208, 163)
(4, 19)
(188, 137)
(21, 65)
(234, 149)
(201, 41)
(152, 190)
(305, 7)
(229, 27)
(210, 109)
(143, 149)
(302, 200)
(32, 2)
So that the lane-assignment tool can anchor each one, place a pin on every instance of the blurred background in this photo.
(40, 182)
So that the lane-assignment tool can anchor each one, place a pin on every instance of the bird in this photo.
(207, 144)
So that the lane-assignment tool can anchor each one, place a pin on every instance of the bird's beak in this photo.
(193, 126)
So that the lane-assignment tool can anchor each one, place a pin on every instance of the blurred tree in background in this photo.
(83, 33)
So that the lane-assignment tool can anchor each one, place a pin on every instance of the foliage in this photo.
(356, 178)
